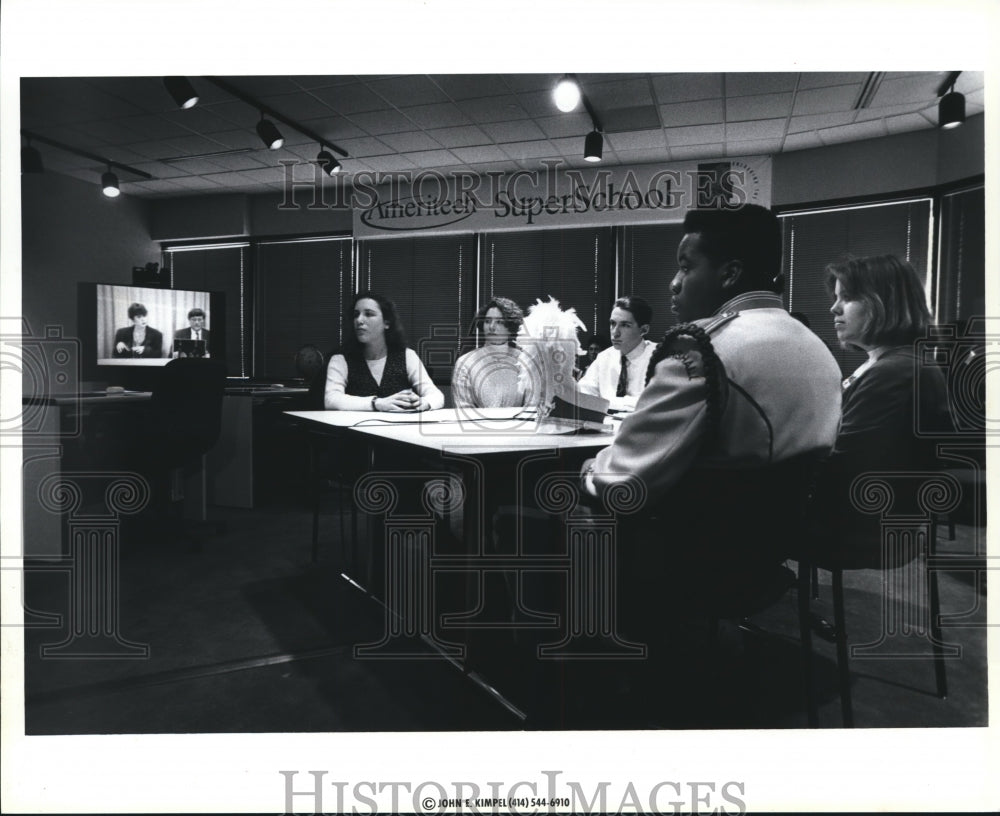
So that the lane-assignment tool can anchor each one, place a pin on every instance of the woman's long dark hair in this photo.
(395, 337)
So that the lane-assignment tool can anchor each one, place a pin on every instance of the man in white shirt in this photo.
(618, 374)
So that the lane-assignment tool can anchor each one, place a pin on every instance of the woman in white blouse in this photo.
(488, 377)
(374, 370)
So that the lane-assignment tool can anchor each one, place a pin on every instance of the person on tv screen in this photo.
(195, 331)
(138, 340)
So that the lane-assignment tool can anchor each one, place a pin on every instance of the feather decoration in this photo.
(549, 338)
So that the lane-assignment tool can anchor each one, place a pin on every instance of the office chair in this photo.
(855, 549)
(327, 462)
(183, 423)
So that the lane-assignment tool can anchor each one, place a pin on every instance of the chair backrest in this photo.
(186, 406)
(317, 384)
(746, 516)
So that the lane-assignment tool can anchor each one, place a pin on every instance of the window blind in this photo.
(574, 266)
(302, 287)
(219, 269)
(648, 263)
(962, 276)
(814, 239)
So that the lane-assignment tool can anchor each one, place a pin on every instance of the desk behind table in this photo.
(252, 461)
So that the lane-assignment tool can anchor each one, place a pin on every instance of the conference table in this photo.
(504, 480)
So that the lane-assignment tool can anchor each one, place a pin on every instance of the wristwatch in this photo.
(373, 403)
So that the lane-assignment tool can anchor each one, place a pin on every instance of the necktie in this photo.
(623, 378)
(197, 335)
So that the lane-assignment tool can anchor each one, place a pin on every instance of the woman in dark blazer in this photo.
(138, 340)
(890, 403)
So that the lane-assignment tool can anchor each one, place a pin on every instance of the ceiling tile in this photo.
(408, 90)
(824, 79)
(298, 106)
(540, 148)
(272, 174)
(565, 124)
(410, 141)
(237, 139)
(670, 88)
(493, 109)
(911, 89)
(637, 140)
(747, 84)
(820, 120)
(522, 130)
(198, 119)
(349, 99)
(237, 161)
(261, 86)
(640, 156)
(538, 103)
(802, 141)
(312, 81)
(366, 147)
(607, 96)
(969, 81)
(238, 113)
(690, 152)
(196, 183)
(441, 114)
(706, 112)
(905, 123)
(701, 134)
(531, 82)
(157, 186)
(334, 128)
(569, 146)
(852, 133)
(379, 122)
(765, 106)
(432, 159)
(459, 136)
(636, 118)
(865, 114)
(389, 163)
(483, 153)
(763, 129)
(471, 86)
(825, 100)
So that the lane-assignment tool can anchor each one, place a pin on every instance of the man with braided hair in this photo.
(737, 389)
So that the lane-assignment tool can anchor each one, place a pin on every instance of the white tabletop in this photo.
(470, 432)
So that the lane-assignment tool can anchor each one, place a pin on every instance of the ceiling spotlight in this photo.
(593, 147)
(31, 160)
(183, 93)
(951, 110)
(328, 164)
(109, 181)
(566, 94)
(269, 134)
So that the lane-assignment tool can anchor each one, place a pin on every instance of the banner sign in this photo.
(557, 195)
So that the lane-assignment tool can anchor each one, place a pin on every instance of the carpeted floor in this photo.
(245, 634)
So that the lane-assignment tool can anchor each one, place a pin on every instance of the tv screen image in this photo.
(144, 326)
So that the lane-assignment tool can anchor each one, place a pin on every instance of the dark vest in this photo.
(361, 383)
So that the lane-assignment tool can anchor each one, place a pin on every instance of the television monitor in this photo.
(127, 330)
